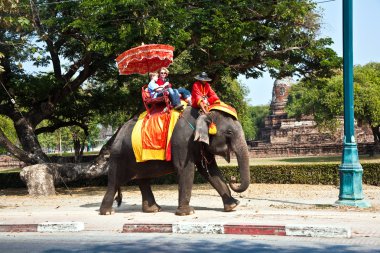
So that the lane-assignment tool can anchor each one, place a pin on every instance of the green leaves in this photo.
(367, 93)
(77, 42)
(6, 125)
(255, 117)
(152, 28)
(23, 21)
(323, 98)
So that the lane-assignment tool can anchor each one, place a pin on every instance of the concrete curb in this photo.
(44, 227)
(193, 228)
(241, 229)
(318, 231)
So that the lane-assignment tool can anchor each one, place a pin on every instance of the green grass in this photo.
(277, 161)
(10, 170)
(72, 154)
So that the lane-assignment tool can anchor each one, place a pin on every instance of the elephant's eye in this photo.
(229, 132)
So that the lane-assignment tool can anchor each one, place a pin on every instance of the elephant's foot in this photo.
(182, 211)
(146, 208)
(231, 204)
(105, 211)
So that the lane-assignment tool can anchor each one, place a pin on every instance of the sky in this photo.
(366, 38)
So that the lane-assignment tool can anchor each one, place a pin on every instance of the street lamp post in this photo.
(350, 171)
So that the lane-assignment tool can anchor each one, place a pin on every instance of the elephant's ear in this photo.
(201, 129)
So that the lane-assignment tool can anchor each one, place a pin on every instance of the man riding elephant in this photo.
(202, 94)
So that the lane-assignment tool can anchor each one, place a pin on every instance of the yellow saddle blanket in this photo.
(151, 135)
(224, 108)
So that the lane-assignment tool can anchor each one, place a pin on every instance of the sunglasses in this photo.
(163, 73)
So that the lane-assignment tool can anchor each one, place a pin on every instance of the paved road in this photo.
(142, 243)
(309, 205)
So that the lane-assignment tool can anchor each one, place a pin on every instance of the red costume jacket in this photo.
(160, 82)
(200, 91)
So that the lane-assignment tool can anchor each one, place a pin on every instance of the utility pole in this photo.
(350, 171)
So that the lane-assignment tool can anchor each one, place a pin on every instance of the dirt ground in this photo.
(269, 196)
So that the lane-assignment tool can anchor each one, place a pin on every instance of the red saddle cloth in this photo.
(154, 127)
(152, 134)
(154, 131)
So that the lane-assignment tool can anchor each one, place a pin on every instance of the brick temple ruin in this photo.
(283, 136)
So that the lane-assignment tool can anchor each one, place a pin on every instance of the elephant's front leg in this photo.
(213, 175)
(112, 187)
(149, 204)
(185, 185)
(106, 206)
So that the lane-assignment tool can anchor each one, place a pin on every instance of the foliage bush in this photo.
(325, 174)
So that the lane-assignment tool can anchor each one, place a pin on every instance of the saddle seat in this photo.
(155, 104)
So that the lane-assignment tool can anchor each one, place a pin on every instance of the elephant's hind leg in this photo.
(119, 196)
(213, 175)
(149, 204)
(106, 206)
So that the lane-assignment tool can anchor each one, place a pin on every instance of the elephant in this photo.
(193, 148)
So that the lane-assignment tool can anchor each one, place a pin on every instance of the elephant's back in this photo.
(123, 155)
(123, 139)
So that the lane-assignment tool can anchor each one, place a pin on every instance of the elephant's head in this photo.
(229, 137)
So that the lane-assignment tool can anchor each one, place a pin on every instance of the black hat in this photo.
(203, 77)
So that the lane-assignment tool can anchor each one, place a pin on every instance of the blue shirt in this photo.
(152, 86)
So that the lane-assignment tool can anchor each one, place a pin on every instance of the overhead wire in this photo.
(13, 101)
(9, 95)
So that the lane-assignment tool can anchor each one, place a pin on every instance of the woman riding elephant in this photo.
(192, 148)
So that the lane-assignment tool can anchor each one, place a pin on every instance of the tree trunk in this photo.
(41, 179)
(17, 152)
(376, 138)
(28, 139)
(77, 147)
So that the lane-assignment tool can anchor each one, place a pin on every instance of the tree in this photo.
(9, 131)
(79, 40)
(323, 98)
(367, 97)
(7, 6)
(257, 116)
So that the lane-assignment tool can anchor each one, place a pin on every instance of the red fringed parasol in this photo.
(144, 59)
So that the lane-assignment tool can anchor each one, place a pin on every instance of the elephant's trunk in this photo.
(241, 150)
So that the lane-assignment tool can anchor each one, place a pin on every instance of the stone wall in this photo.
(305, 132)
(283, 136)
(8, 162)
(262, 150)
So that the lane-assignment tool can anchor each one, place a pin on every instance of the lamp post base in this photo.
(357, 203)
(350, 174)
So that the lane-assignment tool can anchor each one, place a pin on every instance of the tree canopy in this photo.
(78, 40)
(257, 115)
(323, 98)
